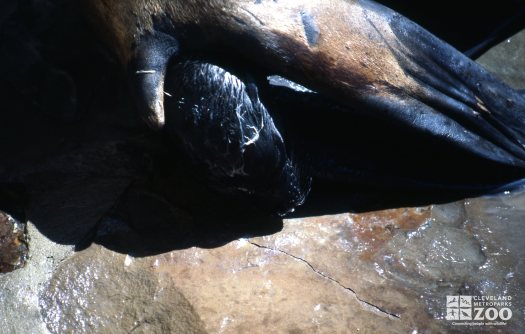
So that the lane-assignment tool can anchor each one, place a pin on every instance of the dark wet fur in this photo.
(227, 131)
(456, 85)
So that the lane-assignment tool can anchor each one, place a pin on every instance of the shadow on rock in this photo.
(134, 196)
(142, 224)
(173, 208)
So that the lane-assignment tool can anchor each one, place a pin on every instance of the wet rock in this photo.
(19, 290)
(506, 60)
(247, 287)
(386, 271)
(498, 223)
(13, 243)
(98, 291)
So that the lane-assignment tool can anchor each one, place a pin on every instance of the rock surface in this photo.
(113, 294)
(13, 243)
(385, 271)
(506, 60)
(19, 290)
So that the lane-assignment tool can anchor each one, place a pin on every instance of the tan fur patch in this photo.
(350, 55)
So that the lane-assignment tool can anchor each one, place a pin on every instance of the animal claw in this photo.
(148, 70)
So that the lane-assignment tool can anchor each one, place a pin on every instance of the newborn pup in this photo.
(226, 130)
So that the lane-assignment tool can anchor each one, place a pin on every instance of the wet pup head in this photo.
(226, 131)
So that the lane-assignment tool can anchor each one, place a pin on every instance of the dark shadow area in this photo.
(470, 26)
(78, 162)
(362, 162)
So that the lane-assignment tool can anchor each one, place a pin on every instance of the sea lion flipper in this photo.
(346, 50)
(148, 69)
(415, 146)
(453, 85)
(471, 133)
(362, 51)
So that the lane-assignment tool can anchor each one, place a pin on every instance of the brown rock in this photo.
(386, 271)
(244, 287)
(506, 60)
(13, 243)
(98, 291)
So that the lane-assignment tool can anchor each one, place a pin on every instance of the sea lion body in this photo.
(353, 52)
(336, 42)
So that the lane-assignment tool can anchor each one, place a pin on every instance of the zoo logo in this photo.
(474, 308)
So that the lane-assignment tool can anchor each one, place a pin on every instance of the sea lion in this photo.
(354, 53)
